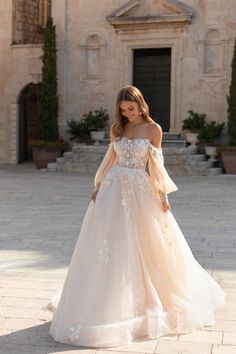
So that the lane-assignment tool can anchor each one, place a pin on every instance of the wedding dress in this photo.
(132, 274)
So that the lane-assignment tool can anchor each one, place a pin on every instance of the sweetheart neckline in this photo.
(138, 138)
(145, 139)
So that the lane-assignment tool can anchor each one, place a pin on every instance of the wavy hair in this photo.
(128, 93)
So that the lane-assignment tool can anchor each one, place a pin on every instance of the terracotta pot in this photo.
(43, 156)
(229, 161)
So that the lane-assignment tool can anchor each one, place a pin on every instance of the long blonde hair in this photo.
(128, 93)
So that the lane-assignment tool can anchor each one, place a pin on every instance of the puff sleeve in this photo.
(108, 161)
(160, 179)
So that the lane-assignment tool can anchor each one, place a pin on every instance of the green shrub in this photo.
(194, 122)
(47, 124)
(78, 130)
(231, 99)
(96, 120)
(211, 132)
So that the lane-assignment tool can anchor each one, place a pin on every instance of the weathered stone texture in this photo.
(95, 55)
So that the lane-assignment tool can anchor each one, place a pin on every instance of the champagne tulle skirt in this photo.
(132, 274)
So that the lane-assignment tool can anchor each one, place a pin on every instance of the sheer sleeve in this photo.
(108, 161)
(161, 181)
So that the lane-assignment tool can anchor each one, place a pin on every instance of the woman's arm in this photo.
(158, 172)
(108, 161)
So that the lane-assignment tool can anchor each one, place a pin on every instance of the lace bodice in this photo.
(132, 153)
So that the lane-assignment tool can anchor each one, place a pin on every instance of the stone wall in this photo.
(19, 65)
(95, 56)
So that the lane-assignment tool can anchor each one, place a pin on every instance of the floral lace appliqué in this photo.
(75, 332)
(158, 274)
(104, 252)
(165, 236)
(132, 157)
(126, 197)
(132, 153)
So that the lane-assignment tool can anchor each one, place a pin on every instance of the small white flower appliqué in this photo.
(104, 251)
(165, 234)
(158, 274)
(124, 203)
(75, 332)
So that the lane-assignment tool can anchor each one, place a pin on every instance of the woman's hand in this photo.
(94, 195)
(95, 192)
(166, 206)
(164, 201)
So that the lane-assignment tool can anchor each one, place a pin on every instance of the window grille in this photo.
(44, 11)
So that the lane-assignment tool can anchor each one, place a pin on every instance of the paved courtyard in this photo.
(40, 218)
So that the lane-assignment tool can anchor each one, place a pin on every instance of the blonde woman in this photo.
(132, 275)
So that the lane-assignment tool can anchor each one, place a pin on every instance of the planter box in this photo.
(229, 161)
(43, 156)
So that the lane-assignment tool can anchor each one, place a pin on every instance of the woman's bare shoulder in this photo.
(155, 131)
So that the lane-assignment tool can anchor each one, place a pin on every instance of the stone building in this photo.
(177, 52)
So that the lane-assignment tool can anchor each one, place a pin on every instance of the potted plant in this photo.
(96, 122)
(228, 153)
(48, 146)
(192, 126)
(208, 135)
(79, 131)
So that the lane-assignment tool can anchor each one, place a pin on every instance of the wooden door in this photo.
(152, 75)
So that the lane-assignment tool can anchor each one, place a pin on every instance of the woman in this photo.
(132, 274)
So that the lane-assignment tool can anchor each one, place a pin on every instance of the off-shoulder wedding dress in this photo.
(132, 274)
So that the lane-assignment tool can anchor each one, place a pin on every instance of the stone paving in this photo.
(41, 213)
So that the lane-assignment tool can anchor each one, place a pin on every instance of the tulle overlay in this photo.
(132, 274)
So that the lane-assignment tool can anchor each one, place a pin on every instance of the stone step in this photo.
(52, 167)
(67, 154)
(167, 137)
(200, 165)
(178, 160)
(187, 151)
(197, 157)
(60, 163)
(171, 136)
(205, 164)
(214, 171)
(165, 143)
(174, 143)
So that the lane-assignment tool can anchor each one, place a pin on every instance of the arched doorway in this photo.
(28, 111)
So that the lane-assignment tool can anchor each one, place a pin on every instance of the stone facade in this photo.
(96, 42)
(20, 65)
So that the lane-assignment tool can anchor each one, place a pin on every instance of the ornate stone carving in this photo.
(167, 13)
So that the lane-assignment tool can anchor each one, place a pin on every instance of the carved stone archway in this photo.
(14, 122)
(34, 76)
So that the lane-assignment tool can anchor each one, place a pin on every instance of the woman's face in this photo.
(130, 110)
